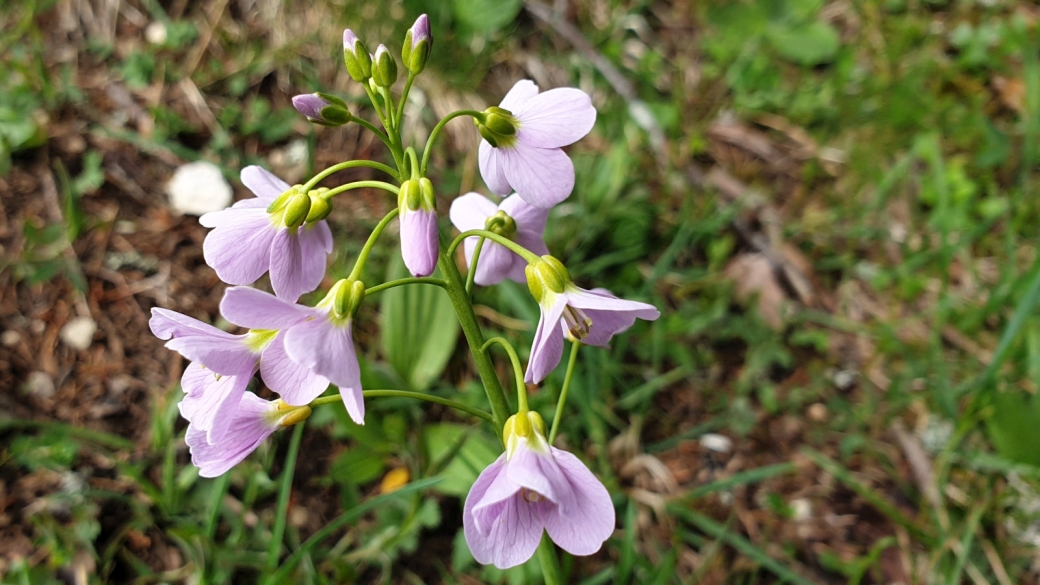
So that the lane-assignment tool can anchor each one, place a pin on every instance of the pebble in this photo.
(10, 338)
(801, 509)
(40, 385)
(79, 333)
(197, 188)
(717, 443)
(155, 33)
(817, 412)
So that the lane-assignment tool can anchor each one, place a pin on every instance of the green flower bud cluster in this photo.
(298, 208)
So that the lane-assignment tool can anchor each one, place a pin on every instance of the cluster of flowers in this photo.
(300, 350)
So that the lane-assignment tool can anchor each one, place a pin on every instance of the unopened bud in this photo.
(417, 44)
(296, 210)
(384, 68)
(323, 109)
(356, 57)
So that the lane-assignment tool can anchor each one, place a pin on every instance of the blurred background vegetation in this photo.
(832, 202)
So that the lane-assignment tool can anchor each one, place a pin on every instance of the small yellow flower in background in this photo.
(394, 480)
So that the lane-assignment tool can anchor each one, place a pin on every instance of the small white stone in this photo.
(801, 509)
(717, 443)
(79, 333)
(10, 338)
(40, 385)
(197, 188)
(155, 33)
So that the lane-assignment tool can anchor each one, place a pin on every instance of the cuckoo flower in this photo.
(514, 219)
(254, 420)
(417, 44)
(420, 240)
(591, 317)
(531, 487)
(282, 231)
(318, 339)
(523, 136)
(222, 365)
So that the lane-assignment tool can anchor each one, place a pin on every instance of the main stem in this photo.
(456, 289)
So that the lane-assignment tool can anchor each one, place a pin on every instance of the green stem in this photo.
(359, 185)
(436, 132)
(550, 564)
(379, 133)
(403, 281)
(404, 96)
(563, 393)
(360, 263)
(392, 142)
(518, 372)
(388, 102)
(407, 394)
(472, 273)
(219, 491)
(456, 289)
(284, 491)
(350, 164)
(521, 251)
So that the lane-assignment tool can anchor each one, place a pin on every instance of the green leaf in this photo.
(486, 16)
(807, 44)
(477, 452)
(1012, 428)
(419, 329)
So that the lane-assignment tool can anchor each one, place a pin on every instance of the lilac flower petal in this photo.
(295, 268)
(521, 91)
(249, 428)
(213, 408)
(320, 234)
(328, 350)
(295, 384)
(475, 530)
(491, 161)
(309, 104)
(542, 177)
(239, 248)
(166, 324)
(581, 529)
(194, 381)
(495, 262)
(470, 212)
(501, 489)
(605, 325)
(530, 220)
(420, 241)
(535, 469)
(256, 309)
(229, 357)
(548, 344)
(556, 118)
(583, 299)
(501, 531)
(250, 203)
(263, 183)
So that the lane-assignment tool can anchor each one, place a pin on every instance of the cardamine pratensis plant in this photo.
(300, 350)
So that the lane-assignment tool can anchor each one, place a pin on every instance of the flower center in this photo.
(501, 224)
(531, 495)
(578, 323)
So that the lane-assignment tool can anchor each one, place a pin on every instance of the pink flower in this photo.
(590, 317)
(254, 420)
(523, 136)
(514, 219)
(317, 339)
(249, 240)
(531, 487)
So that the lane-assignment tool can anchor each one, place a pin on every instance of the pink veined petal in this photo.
(263, 183)
(516, 270)
(194, 381)
(521, 92)
(213, 409)
(249, 428)
(583, 299)
(470, 212)
(328, 350)
(476, 495)
(294, 268)
(605, 325)
(166, 324)
(501, 489)
(321, 233)
(542, 177)
(420, 241)
(239, 247)
(295, 384)
(229, 357)
(256, 309)
(548, 343)
(250, 203)
(491, 169)
(581, 529)
(515, 533)
(537, 471)
(494, 264)
(555, 118)
(530, 220)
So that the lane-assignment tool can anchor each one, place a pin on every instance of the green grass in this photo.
(902, 146)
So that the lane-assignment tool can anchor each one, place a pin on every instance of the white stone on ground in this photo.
(79, 333)
(197, 188)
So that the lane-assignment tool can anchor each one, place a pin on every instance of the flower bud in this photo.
(323, 109)
(345, 297)
(497, 126)
(501, 224)
(356, 57)
(320, 206)
(420, 238)
(384, 68)
(546, 276)
(296, 210)
(417, 44)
